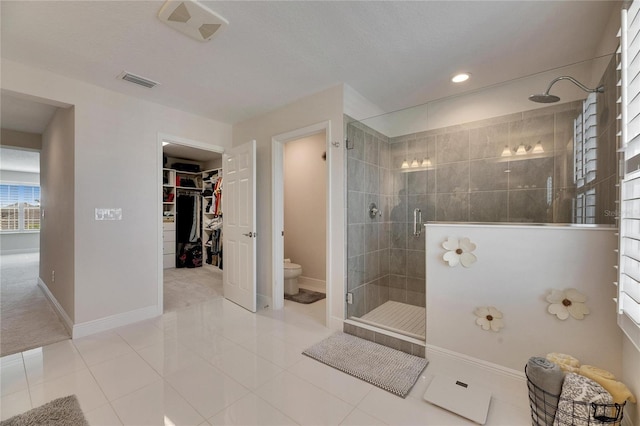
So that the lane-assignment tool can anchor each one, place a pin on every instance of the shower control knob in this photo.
(374, 211)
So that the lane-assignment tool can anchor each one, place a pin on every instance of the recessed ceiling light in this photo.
(459, 78)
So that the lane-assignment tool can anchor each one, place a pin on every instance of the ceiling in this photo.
(189, 153)
(396, 54)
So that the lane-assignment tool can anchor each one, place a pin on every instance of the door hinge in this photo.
(349, 298)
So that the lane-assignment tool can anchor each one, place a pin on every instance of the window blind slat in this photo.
(630, 287)
(630, 307)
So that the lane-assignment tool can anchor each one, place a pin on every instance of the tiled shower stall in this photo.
(470, 172)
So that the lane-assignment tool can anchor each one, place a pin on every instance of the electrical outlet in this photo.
(53, 276)
(349, 298)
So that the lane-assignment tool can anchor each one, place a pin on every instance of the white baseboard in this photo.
(99, 325)
(113, 321)
(486, 365)
(62, 314)
(312, 284)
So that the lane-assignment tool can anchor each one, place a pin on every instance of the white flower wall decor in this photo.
(459, 252)
(569, 302)
(489, 318)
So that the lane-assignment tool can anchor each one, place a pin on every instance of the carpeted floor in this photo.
(187, 286)
(64, 411)
(28, 319)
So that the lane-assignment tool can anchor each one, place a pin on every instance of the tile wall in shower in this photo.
(469, 181)
(377, 272)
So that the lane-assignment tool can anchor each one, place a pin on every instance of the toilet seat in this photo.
(289, 265)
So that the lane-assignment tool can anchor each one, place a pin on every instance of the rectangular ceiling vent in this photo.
(132, 78)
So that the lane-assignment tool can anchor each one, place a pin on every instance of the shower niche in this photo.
(554, 164)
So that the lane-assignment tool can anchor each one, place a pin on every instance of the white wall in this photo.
(20, 242)
(317, 108)
(516, 267)
(26, 140)
(631, 377)
(116, 164)
(57, 239)
(357, 106)
(305, 195)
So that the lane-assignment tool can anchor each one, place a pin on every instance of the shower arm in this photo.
(599, 89)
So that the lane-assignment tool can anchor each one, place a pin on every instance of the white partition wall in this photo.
(516, 268)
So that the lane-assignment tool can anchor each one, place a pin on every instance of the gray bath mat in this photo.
(387, 368)
(305, 296)
(59, 412)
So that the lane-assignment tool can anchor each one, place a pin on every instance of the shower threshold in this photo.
(401, 318)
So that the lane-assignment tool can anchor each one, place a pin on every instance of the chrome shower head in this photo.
(546, 98)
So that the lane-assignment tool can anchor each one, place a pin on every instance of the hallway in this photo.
(28, 319)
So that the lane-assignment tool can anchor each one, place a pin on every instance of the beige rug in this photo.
(59, 412)
(28, 320)
(387, 368)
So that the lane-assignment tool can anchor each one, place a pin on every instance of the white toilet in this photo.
(291, 273)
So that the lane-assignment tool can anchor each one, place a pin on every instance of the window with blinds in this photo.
(19, 208)
(628, 299)
(585, 160)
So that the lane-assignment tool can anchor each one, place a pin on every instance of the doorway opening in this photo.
(34, 255)
(190, 222)
(301, 242)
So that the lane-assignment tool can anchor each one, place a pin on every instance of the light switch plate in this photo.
(108, 214)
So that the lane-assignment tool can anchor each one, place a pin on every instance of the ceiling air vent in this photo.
(132, 78)
(192, 18)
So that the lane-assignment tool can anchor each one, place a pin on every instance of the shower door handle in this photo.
(417, 222)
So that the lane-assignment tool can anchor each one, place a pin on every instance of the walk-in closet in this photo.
(192, 252)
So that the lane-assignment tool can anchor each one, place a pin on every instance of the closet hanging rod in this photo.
(198, 190)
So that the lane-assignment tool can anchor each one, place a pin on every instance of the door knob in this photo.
(250, 235)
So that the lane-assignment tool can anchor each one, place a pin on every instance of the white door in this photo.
(239, 225)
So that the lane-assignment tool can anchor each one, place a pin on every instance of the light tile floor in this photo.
(216, 364)
(184, 287)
